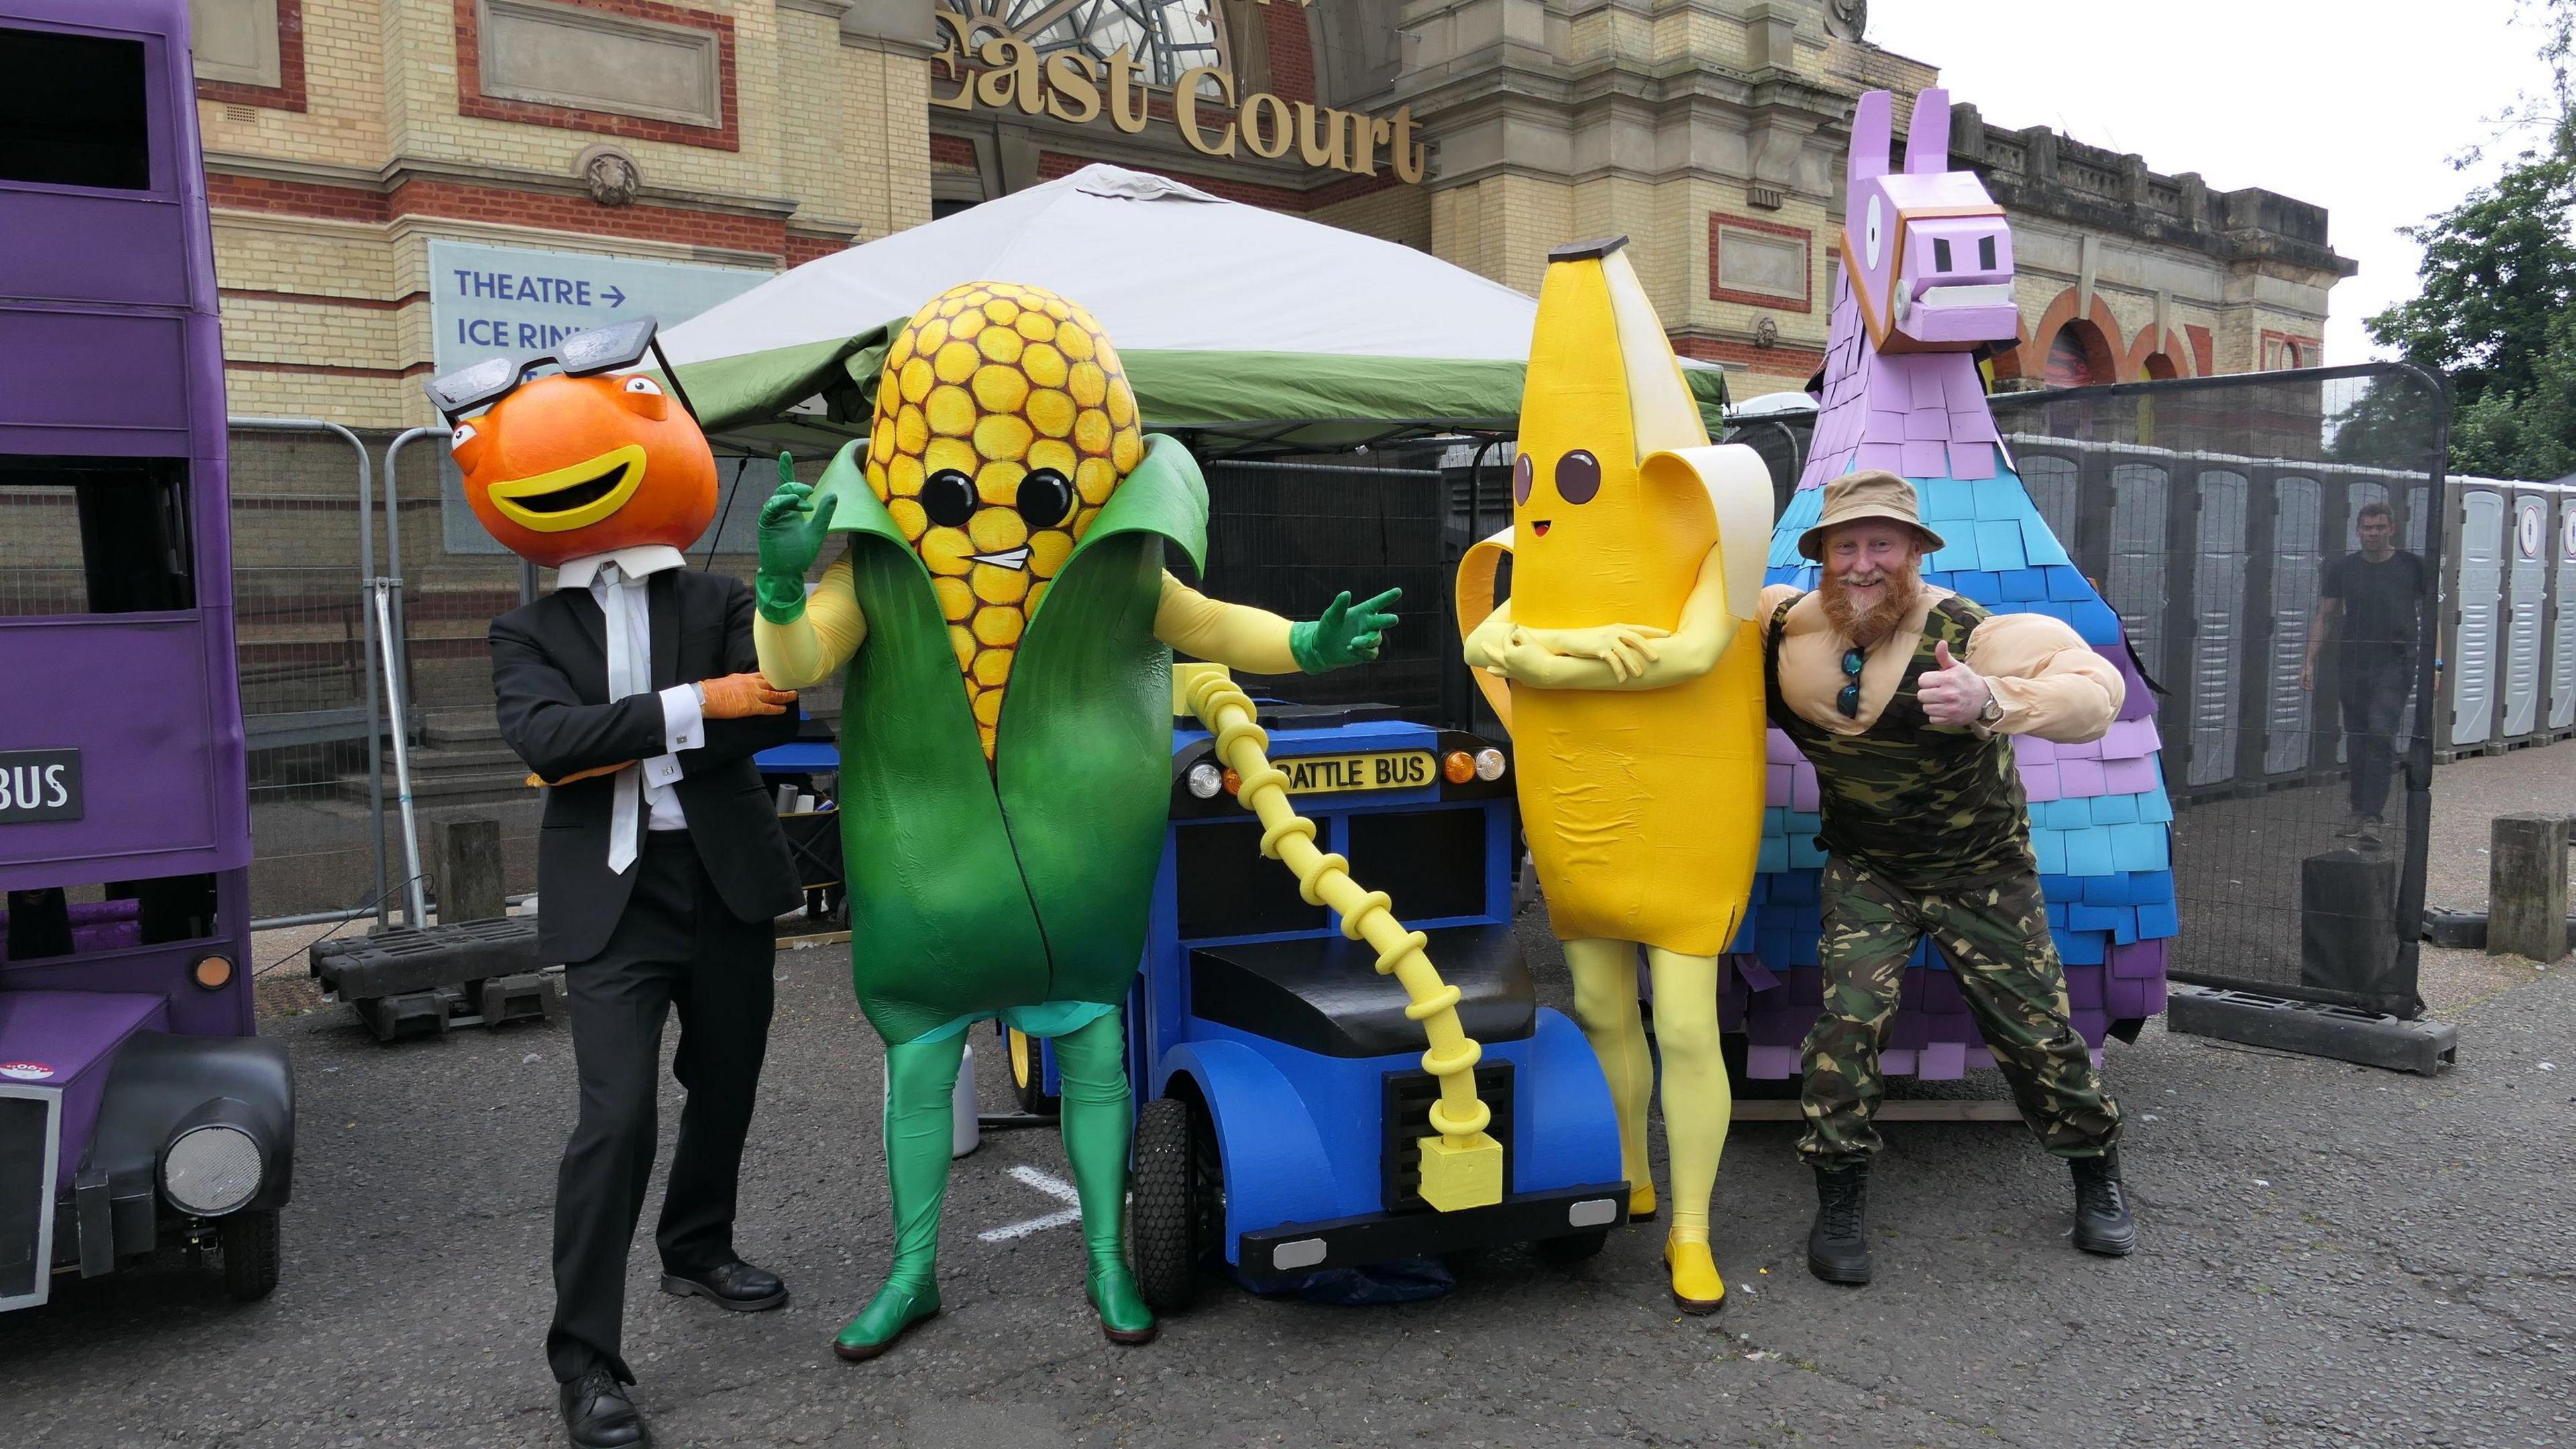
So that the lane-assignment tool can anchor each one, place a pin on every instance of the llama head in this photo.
(1928, 251)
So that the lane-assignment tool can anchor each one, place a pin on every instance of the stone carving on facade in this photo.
(1766, 331)
(1846, 19)
(610, 175)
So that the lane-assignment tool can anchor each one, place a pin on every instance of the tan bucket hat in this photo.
(1873, 493)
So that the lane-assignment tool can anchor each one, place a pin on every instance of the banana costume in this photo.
(1006, 768)
(1634, 698)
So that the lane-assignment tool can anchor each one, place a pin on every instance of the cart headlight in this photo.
(1489, 763)
(1205, 780)
(211, 1170)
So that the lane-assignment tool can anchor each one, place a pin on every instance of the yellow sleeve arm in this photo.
(1490, 636)
(1698, 640)
(1238, 636)
(806, 650)
(2048, 683)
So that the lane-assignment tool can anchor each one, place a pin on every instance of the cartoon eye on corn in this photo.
(1634, 698)
(1006, 740)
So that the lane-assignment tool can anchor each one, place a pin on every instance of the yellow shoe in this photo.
(1641, 1203)
(1696, 1286)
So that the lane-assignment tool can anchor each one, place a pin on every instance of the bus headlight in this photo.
(211, 1170)
(1489, 763)
(1205, 780)
(1457, 767)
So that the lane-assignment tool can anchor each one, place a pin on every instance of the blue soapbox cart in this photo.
(1280, 1082)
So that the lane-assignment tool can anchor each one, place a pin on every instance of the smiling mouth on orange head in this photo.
(1538, 526)
(576, 495)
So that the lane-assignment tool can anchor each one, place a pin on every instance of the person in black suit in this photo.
(633, 691)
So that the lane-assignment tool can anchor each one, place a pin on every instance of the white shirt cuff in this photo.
(684, 723)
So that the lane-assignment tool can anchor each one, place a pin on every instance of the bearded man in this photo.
(1901, 695)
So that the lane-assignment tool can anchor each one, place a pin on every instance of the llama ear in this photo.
(1872, 120)
(1927, 140)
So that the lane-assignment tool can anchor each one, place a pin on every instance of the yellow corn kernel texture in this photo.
(998, 381)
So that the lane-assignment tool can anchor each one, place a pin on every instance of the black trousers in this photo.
(2371, 693)
(676, 946)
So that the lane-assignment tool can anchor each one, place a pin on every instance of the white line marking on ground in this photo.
(1052, 1186)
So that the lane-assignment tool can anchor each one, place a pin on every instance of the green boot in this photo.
(921, 1076)
(1099, 1127)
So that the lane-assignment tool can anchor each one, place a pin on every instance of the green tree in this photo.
(2496, 309)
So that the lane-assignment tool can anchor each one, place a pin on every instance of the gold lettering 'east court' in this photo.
(996, 69)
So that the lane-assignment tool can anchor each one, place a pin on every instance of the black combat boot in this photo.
(1836, 1252)
(2102, 1221)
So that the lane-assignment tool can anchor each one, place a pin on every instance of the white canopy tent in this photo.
(1229, 317)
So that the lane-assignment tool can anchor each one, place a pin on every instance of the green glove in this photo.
(1346, 635)
(791, 538)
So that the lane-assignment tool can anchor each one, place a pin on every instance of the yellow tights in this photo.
(1697, 1101)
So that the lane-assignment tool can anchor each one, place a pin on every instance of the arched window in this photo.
(2070, 362)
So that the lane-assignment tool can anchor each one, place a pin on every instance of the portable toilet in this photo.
(2216, 587)
(2473, 575)
(2561, 717)
(2522, 666)
(2296, 566)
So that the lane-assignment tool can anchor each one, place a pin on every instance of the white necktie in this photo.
(628, 673)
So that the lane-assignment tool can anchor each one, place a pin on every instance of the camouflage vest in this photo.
(1925, 805)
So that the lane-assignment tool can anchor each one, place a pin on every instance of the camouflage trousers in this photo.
(1995, 934)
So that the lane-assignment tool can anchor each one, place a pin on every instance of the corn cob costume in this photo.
(1001, 839)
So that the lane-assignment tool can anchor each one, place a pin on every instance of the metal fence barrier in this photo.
(2216, 516)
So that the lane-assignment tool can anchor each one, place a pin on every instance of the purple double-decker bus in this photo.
(137, 1109)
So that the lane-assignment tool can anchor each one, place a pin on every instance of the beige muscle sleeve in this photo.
(2048, 682)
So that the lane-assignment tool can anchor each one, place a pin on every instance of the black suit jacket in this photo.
(550, 676)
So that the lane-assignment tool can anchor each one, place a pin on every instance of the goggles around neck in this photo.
(582, 354)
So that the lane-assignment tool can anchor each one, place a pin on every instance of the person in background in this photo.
(2370, 605)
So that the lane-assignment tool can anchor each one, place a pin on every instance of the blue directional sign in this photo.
(484, 300)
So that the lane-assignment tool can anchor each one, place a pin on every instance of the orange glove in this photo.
(536, 780)
(740, 696)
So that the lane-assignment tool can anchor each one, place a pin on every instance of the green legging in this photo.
(1098, 1125)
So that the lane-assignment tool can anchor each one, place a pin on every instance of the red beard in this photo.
(1865, 627)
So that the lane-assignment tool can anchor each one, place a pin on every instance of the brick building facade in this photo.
(343, 136)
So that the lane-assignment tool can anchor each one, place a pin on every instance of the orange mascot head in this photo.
(580, 462)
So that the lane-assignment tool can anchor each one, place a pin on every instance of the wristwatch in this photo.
(1993, 710)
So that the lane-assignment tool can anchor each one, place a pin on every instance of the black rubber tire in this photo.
(1021, 1055)
(248, 1241)
(1573, 1247)
(1162, 1207)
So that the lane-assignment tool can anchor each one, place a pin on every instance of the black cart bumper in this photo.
(1292, 1250)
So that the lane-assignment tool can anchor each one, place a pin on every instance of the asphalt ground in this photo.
(2331, 1256)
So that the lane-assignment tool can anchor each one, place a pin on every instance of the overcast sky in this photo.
(2355, 105)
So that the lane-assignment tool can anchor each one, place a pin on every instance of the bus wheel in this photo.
(1163, 1216)
(249, 1244)
(1028, 1072)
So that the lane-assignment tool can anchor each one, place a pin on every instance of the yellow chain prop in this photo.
(1462, 1167)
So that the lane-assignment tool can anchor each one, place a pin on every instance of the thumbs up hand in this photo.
(1951, 693)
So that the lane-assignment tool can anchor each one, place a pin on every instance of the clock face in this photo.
(1163, 37)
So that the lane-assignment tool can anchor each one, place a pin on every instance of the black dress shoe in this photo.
(736, 1285)
(597, 1413)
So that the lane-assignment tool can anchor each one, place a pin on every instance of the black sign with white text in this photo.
(39, 785)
